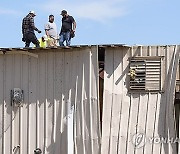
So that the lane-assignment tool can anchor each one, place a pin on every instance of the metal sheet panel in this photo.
(60, 112)
(138, 114)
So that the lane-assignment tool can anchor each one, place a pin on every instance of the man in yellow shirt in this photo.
(43, 41)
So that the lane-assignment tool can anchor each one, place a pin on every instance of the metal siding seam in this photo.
(161, 74)
(24, 115)
(144, 51)
(150, 50)
(16, 110)
(54, 100)
(132, 120)
(95, 116)
(89, 101)
(33, 101)
(14, 133)
(106, 120)
(119, 142)
(170, 97)
(42, 98)
(136, 127)
(129, 118)
(153, 50)
(99, 131)
(1, 101)
(162, 115)
(146, 116)
(45, 105)
(85, 102)
(164, 147)
(63, 110)
(163, 69)
(79, 126)
(151, 120)
(71, 105)
(135, 98)
(12, 108)
(116, 107)
(77, 122)
(3, 104)
(28, 125)
(75, 101)
(20, 109)
(141, 50)
(50, 102)
(37, 104)
(112, 100)
(4, 107)
(129, 107)
(156, 147)
(76, 57)
(59, 61)
(65, 101)
(166, 62)
(8, 107)
(141, 123)
(82, 107)
(68, 115)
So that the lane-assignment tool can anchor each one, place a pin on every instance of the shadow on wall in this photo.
(166, 125)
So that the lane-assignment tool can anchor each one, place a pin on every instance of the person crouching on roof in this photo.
(43, 41)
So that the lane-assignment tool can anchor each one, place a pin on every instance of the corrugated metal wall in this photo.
(61, 79)
(128, 115)
(52, 84)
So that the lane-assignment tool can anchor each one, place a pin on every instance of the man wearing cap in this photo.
(68, 27)
(28, 29)
(51, 31)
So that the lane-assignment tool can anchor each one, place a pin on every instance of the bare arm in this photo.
(46, 31)
(74, 26)
(46, 28)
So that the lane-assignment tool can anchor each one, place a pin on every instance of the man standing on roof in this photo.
(28, 29)
(51, 31)
(67, 29)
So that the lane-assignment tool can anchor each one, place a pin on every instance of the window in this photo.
(145, 73)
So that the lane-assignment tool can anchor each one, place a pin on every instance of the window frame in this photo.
(146, 60)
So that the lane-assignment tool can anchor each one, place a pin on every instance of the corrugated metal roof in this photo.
(65, 47)
(76, 46)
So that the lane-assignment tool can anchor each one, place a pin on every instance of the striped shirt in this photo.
(28, 25)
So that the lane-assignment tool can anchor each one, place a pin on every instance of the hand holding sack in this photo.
(72, 34)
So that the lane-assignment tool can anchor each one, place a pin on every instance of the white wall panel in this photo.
(2, 104)
(53, 83)
(151, 114)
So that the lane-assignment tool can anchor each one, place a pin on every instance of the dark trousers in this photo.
(31, 37)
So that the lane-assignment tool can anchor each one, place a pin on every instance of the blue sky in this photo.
(146, 22)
